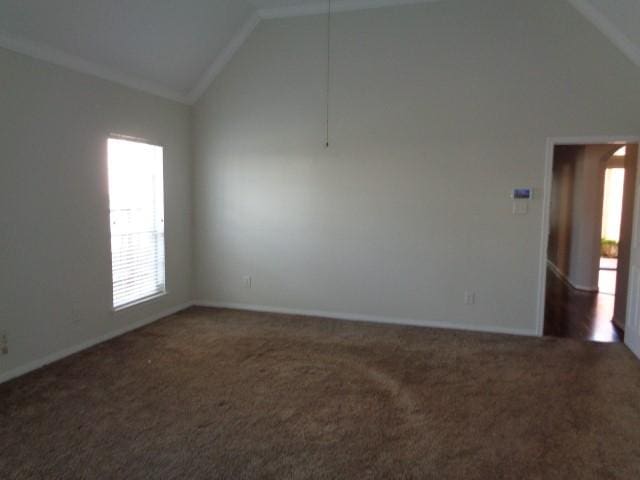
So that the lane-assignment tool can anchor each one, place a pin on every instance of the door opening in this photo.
(588, 254)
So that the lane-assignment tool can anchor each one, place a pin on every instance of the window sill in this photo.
(140, 301)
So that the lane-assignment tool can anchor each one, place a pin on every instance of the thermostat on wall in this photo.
(522, 194)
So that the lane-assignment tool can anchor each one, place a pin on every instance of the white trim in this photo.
(558, 273)
(139, 301)
(129, 138)
(367, 318)
(254, 19)
(631, 337)
(223, 58)
(41, 362)
(320, 7)
(593, 140)
(57, 57)
(608, 29)
(631, 319)
(567, 280)
(546, 206)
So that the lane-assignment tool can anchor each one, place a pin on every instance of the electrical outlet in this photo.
(75, 314)
(469, 298)
(246, 281)
(4, 343)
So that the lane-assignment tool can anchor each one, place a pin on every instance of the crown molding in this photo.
(49, 54)
(72, 62)
(252, 22)
(223, 58)
(608, 29)
(57, 57)
(321, 6)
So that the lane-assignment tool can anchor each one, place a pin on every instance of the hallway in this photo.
(572, 313)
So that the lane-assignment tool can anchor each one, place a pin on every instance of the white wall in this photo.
(55, 265)
(630, 164)
(575, 217)
(586, 216)
(437, 112)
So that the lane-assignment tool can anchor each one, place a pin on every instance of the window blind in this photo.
(136, 203)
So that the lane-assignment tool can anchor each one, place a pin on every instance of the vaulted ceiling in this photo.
(175, 49)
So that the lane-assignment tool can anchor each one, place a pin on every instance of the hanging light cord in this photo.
(328, 70)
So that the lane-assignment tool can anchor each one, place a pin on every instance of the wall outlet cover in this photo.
(469, 298)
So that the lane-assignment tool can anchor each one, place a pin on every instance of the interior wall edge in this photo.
(568, 281)
(358, 317)
(76, 64)
(59, 355)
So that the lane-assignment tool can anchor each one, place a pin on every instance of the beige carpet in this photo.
(226, 394)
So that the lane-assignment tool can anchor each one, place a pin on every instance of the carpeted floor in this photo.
(226, 394)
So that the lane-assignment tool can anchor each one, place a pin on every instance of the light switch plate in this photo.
(520, 207)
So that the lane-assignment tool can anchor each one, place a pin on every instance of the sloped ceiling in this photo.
(166, 44)
(175, 49)
(619, 20)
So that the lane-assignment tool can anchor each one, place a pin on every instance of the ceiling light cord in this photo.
(328, 72)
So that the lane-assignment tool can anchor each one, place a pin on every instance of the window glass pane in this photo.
(136, 204)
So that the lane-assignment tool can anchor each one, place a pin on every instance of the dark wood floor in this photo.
(572, 313)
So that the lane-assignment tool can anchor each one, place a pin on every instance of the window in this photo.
(621, 152)
(136, 204)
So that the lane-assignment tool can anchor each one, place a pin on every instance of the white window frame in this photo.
(161, 292)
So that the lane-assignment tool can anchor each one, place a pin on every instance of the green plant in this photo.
(608, 248)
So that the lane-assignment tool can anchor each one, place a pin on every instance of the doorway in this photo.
(588, 249)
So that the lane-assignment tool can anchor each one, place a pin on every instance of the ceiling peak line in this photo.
(223, 58)
(608, 29)
(600, 21)
(59, 57)
(320, 7)
(316, 8)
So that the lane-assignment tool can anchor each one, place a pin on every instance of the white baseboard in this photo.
(368, 318)
(41, 362)
(568, 281)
